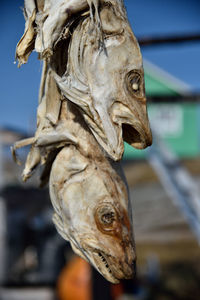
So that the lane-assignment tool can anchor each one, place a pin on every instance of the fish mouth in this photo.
(136, 136)
(135, 128)
(99, 261)
(112, 270)
(106, 269)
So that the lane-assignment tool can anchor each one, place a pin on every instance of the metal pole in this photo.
(177, 182)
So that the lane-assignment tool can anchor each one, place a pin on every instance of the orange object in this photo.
(116, 290)
(74, 282)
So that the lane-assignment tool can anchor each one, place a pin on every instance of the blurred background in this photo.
(35, 262)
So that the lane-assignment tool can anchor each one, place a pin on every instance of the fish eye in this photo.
(108, 218)
(135, 86)
(105, 216)
(134, 83)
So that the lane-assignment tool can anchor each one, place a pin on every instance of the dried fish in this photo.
(46, 21)
(102, 73)
(92, 209)
(108, 85)
(89, 195)
(52, 21)
(91, 99)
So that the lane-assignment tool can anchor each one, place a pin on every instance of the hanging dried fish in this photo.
(108, 85)
(92, 209)
(89, 195)
(91, 99)
(103, 73)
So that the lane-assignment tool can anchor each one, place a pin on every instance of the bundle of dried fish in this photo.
(91, 98)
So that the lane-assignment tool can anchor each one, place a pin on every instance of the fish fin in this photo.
(32, 161)
(26, 44)
(21, 144)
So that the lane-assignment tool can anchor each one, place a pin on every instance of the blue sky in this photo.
(19, 87)
(169, 17)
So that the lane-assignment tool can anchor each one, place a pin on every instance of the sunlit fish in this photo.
(103, 72)
(105, 78)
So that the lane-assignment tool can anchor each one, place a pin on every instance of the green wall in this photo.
(155, 87)
(178, 130)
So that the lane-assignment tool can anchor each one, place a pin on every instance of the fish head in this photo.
(111, 250)
(92, 214)
(116, 80)
(100, 227)
(105, 78)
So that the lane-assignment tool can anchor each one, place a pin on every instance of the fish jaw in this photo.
(115, 265)
(115, 261)
(121, 265)
(108, 247)
(135, 127)
(113, 270)
(136, 136)
(101, 264)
